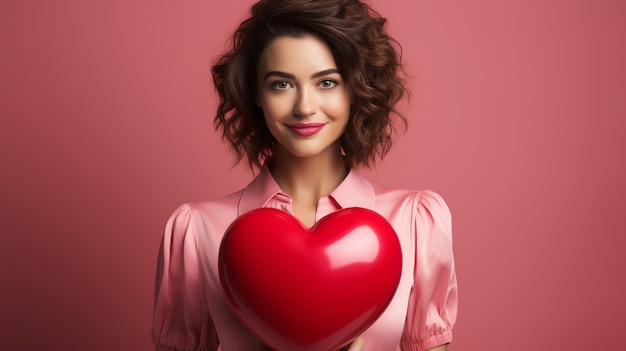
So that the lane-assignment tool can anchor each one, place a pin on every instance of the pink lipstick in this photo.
(306, 129)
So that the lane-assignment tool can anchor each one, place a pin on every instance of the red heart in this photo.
(309, 289)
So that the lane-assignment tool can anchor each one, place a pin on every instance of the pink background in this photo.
(517, 119)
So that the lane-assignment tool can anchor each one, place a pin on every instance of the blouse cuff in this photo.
(445, 337)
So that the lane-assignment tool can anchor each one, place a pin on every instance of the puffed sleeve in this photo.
(433, 301)
(181, 319)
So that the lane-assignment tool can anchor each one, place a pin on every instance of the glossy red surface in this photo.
(309, 289)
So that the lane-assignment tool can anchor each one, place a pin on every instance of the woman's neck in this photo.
(307, 179)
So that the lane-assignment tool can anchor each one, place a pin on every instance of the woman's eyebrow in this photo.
(291, 76)
(325, 72)
(279, 74)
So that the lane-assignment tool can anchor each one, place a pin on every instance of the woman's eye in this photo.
(281, 84)
(327, 83)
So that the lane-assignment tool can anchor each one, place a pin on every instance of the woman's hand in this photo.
(355, 345)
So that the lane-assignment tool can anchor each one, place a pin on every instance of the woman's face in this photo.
(304, 99)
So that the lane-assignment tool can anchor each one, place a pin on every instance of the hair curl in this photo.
(366, 57)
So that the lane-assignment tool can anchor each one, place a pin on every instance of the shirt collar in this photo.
(354, 191)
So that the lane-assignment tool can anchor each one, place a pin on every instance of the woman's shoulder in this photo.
(207, 214)
(227, 202)
(428, 199)
(413, 206)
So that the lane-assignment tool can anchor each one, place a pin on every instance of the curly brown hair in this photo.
(367, 58)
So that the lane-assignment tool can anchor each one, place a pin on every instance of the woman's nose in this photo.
(305, 104)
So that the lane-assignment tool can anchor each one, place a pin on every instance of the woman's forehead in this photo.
(296, 54)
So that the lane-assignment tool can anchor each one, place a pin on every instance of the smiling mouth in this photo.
(306, 129)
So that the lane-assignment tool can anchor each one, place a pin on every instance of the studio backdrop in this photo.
(516, 118)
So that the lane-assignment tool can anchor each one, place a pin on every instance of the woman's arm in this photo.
(433, 300)
(181, 319)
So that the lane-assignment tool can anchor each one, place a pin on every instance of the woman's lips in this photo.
(306, 129)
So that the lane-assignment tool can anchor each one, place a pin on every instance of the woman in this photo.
(307, 93)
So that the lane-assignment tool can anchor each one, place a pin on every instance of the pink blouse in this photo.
(190, 309)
